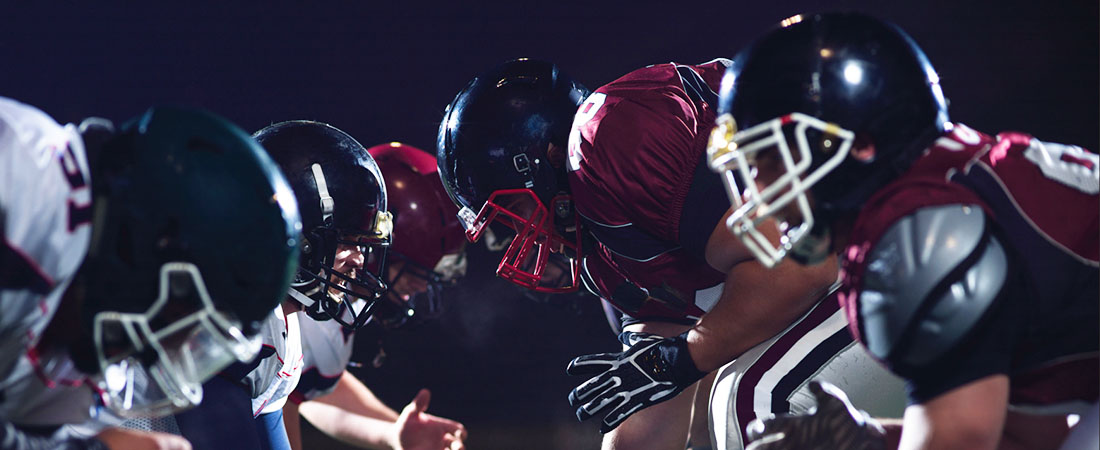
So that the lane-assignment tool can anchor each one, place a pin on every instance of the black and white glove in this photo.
(834, 423)
(652, 370)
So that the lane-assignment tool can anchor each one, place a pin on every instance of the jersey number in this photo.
(585, 112)
(1066, 164)
(80, 212)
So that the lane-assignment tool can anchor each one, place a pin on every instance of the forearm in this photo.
(352, 396)
(354, 429)
(968, 417)
(293, 424)
(756, 304)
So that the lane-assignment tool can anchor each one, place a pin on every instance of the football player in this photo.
(136, 262)
(427, 254)
(338, 277)
(969, 260)
(616, 182)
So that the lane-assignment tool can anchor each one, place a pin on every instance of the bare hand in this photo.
(418, 430)
(123, 439)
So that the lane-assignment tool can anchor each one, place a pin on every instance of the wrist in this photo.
(684, 367)
(393, 436)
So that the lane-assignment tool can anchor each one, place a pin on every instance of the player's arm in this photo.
(945, 322)
(968, 417)
(956, 360)
(292, 421)
(756, 303)
(353, 414)
(358, 430)
(353, 396)
(350, 413)
(650, 376)
(414, 429)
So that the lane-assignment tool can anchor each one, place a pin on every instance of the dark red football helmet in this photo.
(428, 249)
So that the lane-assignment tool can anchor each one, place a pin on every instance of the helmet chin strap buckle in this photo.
(467, 217)
(322, 191)
(299, 297)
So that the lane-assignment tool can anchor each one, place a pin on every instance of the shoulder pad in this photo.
(929, 279)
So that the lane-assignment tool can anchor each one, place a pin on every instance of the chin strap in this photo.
(322, 191)
(300, 297)
(310, 306)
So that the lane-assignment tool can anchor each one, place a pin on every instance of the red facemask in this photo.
(526, 260)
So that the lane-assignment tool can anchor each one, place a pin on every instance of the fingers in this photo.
(831, 398)
(768, 442)
(443, 422)
(763, 426)
(588, 365)
(823, 389)
(587, 410)
(453, 442)
(592, 388)
(422, 399)
(618, 415)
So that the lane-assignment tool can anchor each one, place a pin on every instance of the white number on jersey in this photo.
(585, 113)
(1066, 164)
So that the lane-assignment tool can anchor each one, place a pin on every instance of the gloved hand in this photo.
(833, 423)
(652, 370)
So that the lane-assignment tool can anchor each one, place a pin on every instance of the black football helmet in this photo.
(342, 198)
(502, 158)
(802, 98)
(194, 243)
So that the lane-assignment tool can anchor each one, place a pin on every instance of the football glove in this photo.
(653, 369)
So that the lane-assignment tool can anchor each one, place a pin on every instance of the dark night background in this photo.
(384, 71)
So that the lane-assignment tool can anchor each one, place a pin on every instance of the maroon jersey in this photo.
(639, 183)
(1042, 201)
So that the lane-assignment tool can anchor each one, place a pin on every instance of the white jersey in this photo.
(327, 346)
(281, 367)
(45, 199)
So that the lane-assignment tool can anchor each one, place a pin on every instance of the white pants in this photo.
(773, 377)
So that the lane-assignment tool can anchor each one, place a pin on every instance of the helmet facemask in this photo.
(154, 363)
(346, 294)
(538, 238)
(416, 291)
(776, 157)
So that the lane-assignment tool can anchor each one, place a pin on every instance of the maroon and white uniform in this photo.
(640, 183)
(45, 201)
(1042, 205)
(636, 158)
